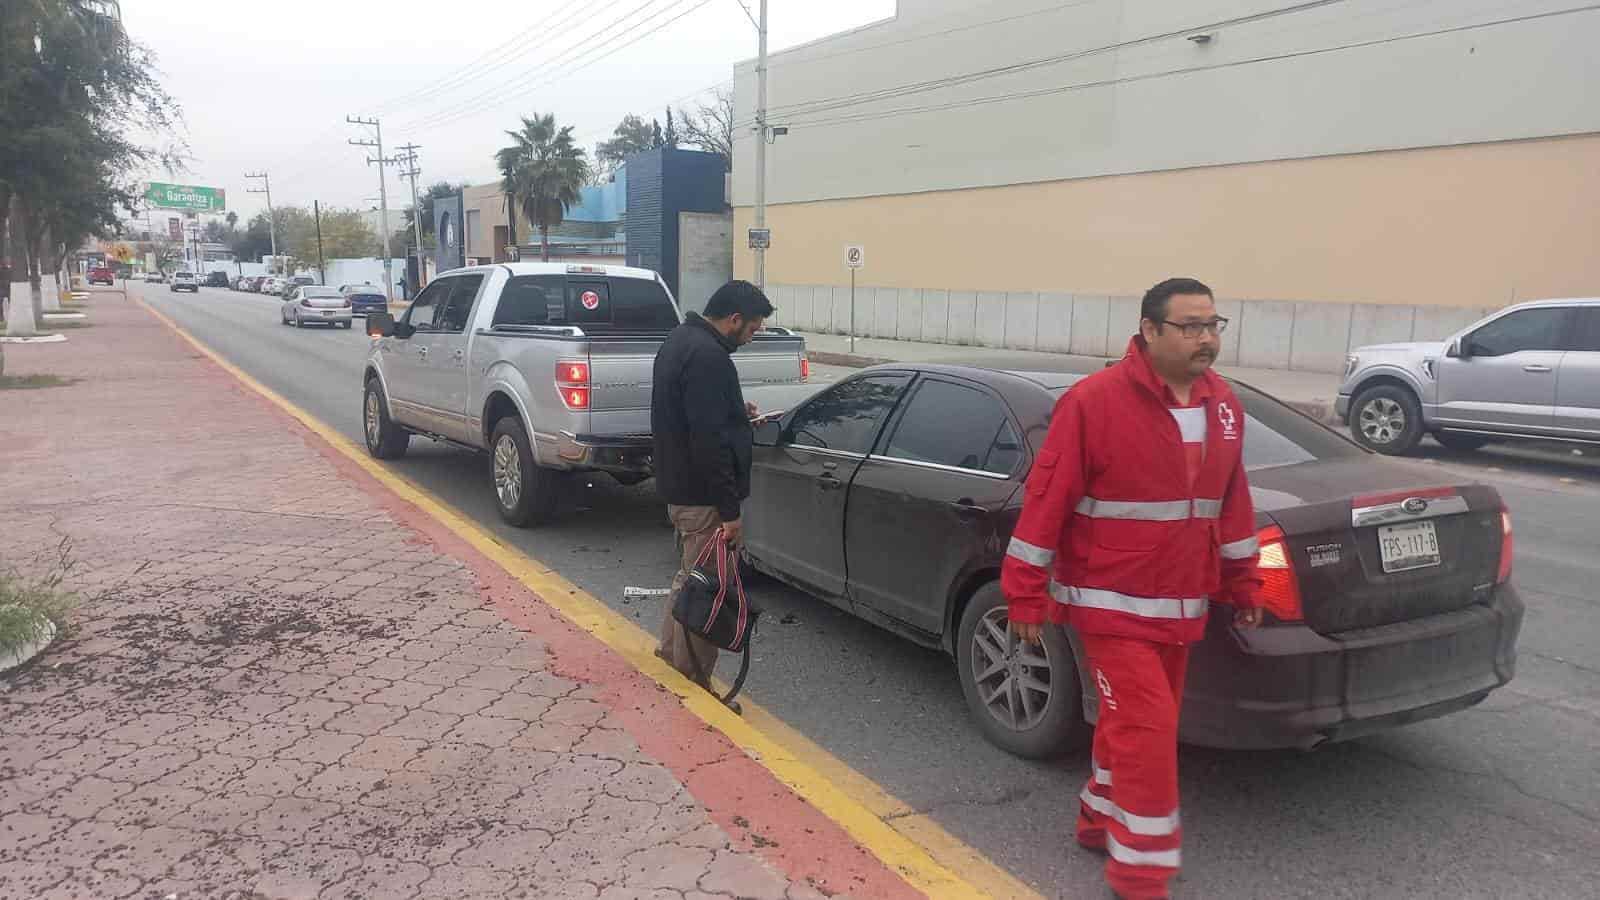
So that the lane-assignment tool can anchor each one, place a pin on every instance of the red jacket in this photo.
(1112, 537)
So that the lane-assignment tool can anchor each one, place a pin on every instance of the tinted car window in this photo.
(320, 292)
(532, 300)
(638, 304)
(949, 424)
(420, 315)
(846, 416)
(1529, 329)
(1586, 336)
(1005, 454)
(459, 307)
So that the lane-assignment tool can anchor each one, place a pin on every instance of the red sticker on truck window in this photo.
(591, 300)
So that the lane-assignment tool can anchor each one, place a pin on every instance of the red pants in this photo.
(1130, 806)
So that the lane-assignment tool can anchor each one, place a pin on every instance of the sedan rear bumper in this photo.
(310, 316)
(1288, 686)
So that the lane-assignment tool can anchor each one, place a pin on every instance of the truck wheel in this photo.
(385, 439)
(524, 492)
(1386, 418)
(1027, 699)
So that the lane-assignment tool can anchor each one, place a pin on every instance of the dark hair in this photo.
(1158, 300)
(738, 298)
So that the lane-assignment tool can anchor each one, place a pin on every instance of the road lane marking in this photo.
(913, 845)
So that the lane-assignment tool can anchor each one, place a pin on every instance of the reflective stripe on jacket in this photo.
(1113, 538)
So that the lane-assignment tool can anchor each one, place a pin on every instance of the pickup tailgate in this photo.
(621, 369)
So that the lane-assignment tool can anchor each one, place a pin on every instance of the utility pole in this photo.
(272, 217)
(412, 172)
(322, 266)
(383, 194)
(761, 146)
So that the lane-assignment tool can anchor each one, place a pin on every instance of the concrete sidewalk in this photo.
(285, 682)
(1311, 392)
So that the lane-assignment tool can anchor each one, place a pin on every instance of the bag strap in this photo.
(738, 680)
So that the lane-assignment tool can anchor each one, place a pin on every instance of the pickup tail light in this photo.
(1507, 548)
(805, 368)
(1280, 589)
(572, 383)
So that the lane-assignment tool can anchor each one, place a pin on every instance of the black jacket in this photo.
(703, 437)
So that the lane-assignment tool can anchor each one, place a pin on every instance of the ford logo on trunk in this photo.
(1415, 505)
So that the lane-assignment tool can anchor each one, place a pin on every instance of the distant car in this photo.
(234, 282)
(251, 283)
(366, 299)
(154, 278)
(102, 275)
(892, 495)
(287, 287)
(315, 303)
(216, 279)
(1529, 371)
(268, 285)
(185, 281)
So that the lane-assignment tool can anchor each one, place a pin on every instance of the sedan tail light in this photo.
(572, 383)
(1507, 548)
(1280, 589)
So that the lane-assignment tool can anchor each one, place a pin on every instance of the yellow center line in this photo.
(913, 845)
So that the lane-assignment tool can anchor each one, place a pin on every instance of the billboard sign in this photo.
(186, 197)
(175, 228)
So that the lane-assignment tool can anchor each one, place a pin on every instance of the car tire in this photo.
(346, 324)
(1039, 733)
(524, 492)
(1460, 441)
(1386, 418)
(385, 439)
(297, 322)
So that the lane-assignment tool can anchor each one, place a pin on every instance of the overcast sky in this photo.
(268, 86)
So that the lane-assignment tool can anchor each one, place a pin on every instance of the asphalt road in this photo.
(1501, 800)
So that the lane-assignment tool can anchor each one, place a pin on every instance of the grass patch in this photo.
(32, 382)
(30, 606)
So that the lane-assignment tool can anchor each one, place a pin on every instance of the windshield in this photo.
(1276, 434)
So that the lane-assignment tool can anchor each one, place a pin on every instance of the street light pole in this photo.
(383, 195)
(761, 146)
(272, 217)
(412, 172)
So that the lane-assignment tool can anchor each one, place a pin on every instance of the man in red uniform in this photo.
(1138, 518)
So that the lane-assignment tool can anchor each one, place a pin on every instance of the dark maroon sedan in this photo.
(892, 495)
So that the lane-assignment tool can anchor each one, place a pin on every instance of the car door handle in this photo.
(1535, 368)
(827, 482)
(460, 353)
(966, 509)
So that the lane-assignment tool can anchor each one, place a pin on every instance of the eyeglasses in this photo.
(1192, 330)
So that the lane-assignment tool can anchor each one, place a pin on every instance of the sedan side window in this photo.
(846, 417)
(1586, 337)
(950, 425)
(1529, 329)
(423, 309)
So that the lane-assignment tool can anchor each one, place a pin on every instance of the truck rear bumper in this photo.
(629, 454)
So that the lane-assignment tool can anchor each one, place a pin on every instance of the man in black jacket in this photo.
(703, 444)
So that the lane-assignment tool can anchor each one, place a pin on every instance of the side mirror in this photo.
(380, 324)
(768, 432)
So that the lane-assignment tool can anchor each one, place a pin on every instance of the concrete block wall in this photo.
(1269, 334)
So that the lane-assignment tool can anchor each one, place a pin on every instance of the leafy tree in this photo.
(345, 235)
(632, 135)
(670, 137)
(254, 242)
(232, 218)
(216, 232)
(709, 126)
(544, 172)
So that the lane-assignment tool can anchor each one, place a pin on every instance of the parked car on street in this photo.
(892, 495)
(269, 285)
(216, 279)
(154, 278)
(1528, 371)
(287, 286)
(547, 366)
(185, 281)
(313, 303)
(102, 275)
(366, 299)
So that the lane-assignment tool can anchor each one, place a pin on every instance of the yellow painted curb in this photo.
(913, 845)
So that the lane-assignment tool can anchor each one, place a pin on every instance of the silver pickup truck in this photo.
(547, 366)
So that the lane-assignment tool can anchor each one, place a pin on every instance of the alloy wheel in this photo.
(507, 472)
(1383, 420)
(374, 422)
(1013, 678)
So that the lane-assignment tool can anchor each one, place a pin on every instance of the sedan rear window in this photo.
(320, 292)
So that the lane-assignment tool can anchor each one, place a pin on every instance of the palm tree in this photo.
(544, 172)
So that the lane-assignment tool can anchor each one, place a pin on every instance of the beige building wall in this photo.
(1466, 226)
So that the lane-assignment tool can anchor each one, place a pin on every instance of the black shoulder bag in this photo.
(713, 605)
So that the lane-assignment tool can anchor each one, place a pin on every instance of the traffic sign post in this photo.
(855, 256)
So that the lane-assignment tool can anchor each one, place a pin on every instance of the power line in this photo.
(573, 70)
(1151, 76)
(829, 103)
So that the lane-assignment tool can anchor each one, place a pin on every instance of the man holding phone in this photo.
(703, 445)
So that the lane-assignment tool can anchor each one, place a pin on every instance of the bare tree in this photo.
(710, 125)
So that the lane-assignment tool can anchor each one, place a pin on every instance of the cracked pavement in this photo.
(276, 688)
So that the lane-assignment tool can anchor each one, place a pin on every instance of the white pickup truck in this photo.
(547, 366)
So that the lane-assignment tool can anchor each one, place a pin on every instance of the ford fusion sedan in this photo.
(892, 496)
